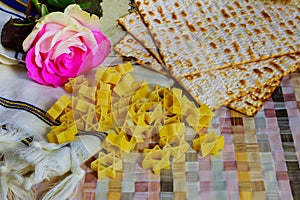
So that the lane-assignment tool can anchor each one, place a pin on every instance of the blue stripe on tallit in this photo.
(15, 5)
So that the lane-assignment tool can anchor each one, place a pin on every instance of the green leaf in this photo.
(84, 6)
(44, 10)
(28, 24)
(93, 8)
(37, 4)
(60, 3)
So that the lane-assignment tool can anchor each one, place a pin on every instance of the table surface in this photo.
(260, 159)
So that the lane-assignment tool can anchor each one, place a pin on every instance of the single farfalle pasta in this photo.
(64, 45)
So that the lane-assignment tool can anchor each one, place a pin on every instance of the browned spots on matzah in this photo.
(189, 63)
(151, 13)
(236, 47)
(221, 40)
(243, 82)
(257, 31)
(172, 30)
(243, 25)
(189, 77)
(157, 21)
(183, 14)
(237, 4)
(273, 37)
(291, 56)
(243, 12)
(186, 37)
(230, 8)
(258, 72)
(250, 52)
(268, 70)
(266, 16)
(249, 7)
(178, 62)
(232, 25)
(177, 4)
(289, 32)
(174, 16)
(290, 22)
(191, 27)
(213, 45)
(228, 51)
(203, 29)
(138, 3)
(251, 22)
(199, 23)
(161, 11)
(229, 93)
(275, 65)
(223, 25)
(224, 13)
(282, 24)
(253, 97)
(234, 14)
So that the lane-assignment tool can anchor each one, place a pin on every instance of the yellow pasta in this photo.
(133, 113)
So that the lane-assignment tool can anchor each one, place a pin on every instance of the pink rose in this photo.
(64, 45)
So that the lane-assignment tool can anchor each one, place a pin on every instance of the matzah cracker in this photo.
(135, 26)
(254, 101)
(198, 36)
(251, 98)
(128, 46)
(219, 87)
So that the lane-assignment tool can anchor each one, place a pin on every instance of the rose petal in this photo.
(65, 43)
(53, 79)
(92, 22)
(44, 45)
(69, 63)
(33, 71)
(98, 54)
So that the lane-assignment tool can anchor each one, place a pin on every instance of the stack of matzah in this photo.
(223, 52)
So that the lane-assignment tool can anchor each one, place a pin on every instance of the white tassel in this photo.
(64, 189)
(11, 183)
(81, 150)
(49, 160)
(46, 161)
(11, 136)
(16, 188)
(3, 183)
